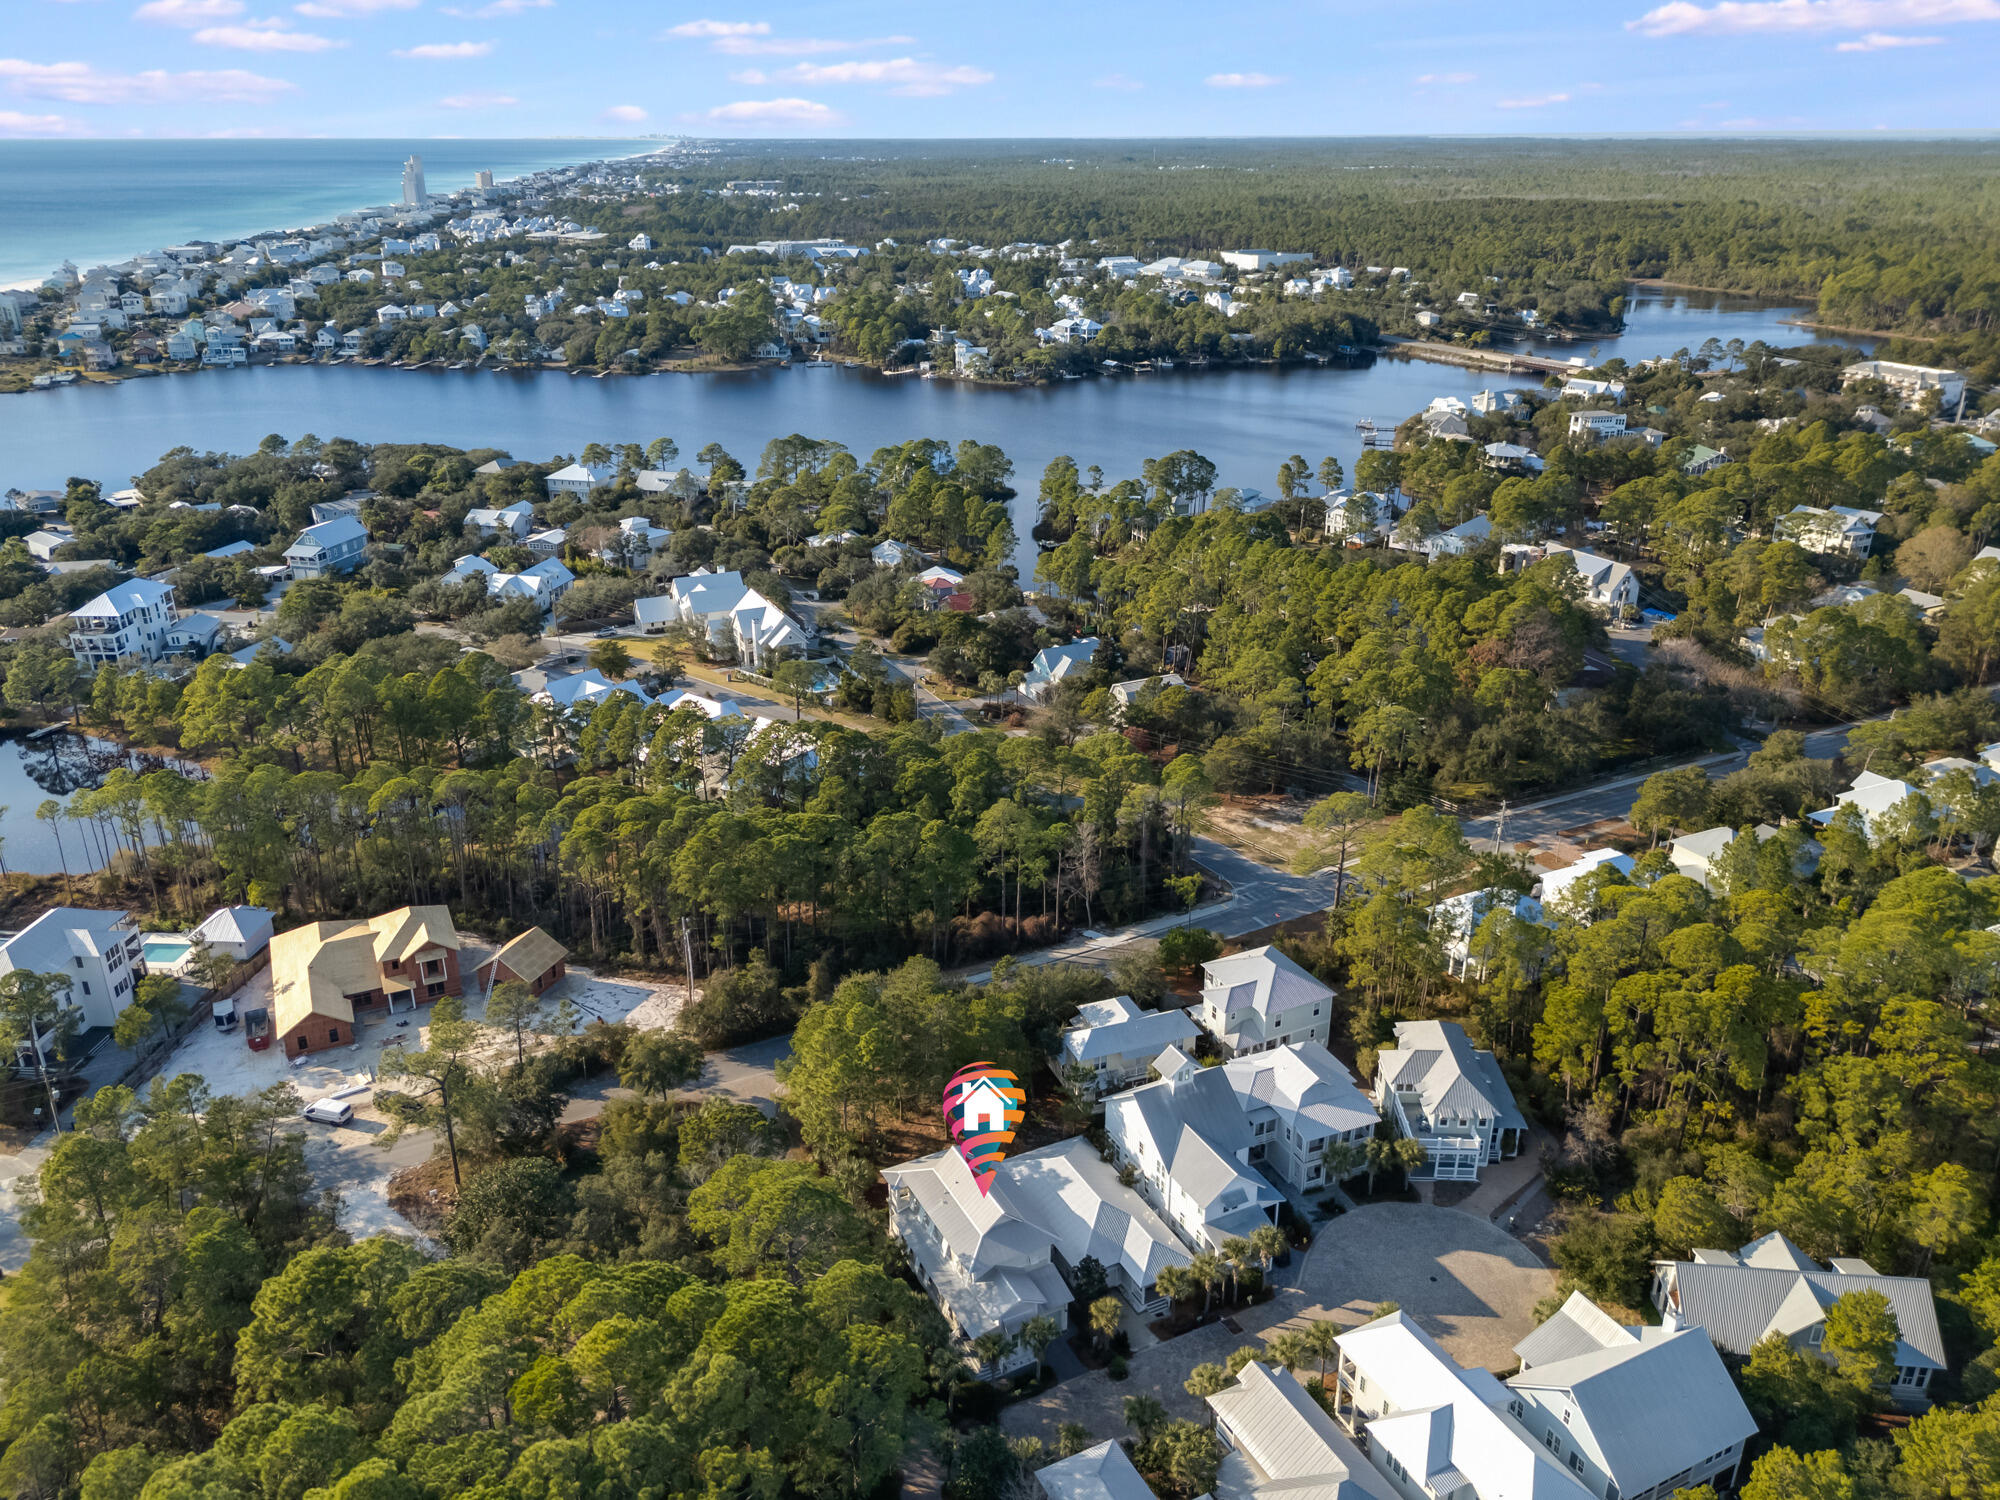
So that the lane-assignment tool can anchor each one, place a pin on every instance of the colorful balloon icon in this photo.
(983, 1106)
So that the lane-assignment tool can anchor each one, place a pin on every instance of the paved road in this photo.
(1613, 799)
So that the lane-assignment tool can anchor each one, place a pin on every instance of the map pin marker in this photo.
(983, 1106)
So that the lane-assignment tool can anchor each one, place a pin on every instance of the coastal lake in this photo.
(1246, 420)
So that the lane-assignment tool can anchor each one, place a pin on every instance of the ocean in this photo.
(95, 202)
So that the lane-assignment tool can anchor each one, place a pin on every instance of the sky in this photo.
(893, 69)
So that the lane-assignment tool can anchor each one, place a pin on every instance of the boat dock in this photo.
(1501, 360)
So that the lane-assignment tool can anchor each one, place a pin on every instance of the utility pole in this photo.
(687, 955)
(1500, 826)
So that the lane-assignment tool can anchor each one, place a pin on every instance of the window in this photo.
(1576, 1463)
(333, 1033)
(1516, 1408)
(86, 986)
(434, 990)
(1551, 1441)
(1818, 1333)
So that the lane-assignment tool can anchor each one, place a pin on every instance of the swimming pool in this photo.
(164, 949)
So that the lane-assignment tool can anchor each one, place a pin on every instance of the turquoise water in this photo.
(101, 201)
(164, 950)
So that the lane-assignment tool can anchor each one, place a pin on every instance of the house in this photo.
(546, 543)
(327, 548)
(1359, 519)
(1771, 1286)
(1125, 694)
(578, 480)
(1702, 459)
(734, 616)
(1260, 999)
(994, 1260)
(1057, 664)
(1441, 1090)
(1870, 795)
(542, 585)
(1556, 885)
(1458, 541)
(833, 539)
(1278, 1441)
(940, 580)
(325, 974)
(1695, 855)
(240, 932)
(638, 539)
(1118, 1041)
(1436, 1429)
(891, 554)
(582, 691)
(194, 634)
(1597, 425)
(1493, 403)
(517, 520)
(1607, 584)
(133, 618)
(1187, 1141)
(534, 959)
(1457, 920)
(1639, 1411)
(1299, 1099)
(1099, 1473)
(98, 953)
(43, 544)
(1911, 382)
(1588, 390)
(1513, 456)
(1831, 531)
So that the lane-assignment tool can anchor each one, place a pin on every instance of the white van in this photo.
(329, 1112)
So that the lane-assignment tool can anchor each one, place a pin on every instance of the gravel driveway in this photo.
(1466, 1282)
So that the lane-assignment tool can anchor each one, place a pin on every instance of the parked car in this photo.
(329, 1112)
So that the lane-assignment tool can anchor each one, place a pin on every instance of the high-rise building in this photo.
(413, 182)
(483, 181)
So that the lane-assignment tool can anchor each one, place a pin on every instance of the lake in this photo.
(1246, 421)
(32, 770)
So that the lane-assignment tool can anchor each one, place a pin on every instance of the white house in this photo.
(1056, 664)
(1555, 886)
(517, 520)
(583, 691)
(1439, 1431)
(579, 480)
(1441, 1090)
(1831, 531)
(1125, 694)
(1102, 1472)
(542, 585)
(1909, 381)
(1870, 795)
(241, 932)
(1607, 584)
(1260, 999)
(1457, 920)
(1636, 1411)
(733, 614)
(1299, 1100)
(993, 1260)
(1597, 425)
(891, 554)
(133, 618)
(638, 539)
(1695, 855)
(97, 952)
(1118, 1041)
(1187, 1139)
(1771, 1286)
(327, 548)
(1278, 1441)
(1587, 390)
(42, 544)
(1458, 541)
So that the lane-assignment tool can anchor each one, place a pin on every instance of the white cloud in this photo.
(1533, 101)
(1883, 41)
(906, 74)
(1243, 80)
(342, 10)
(13, 122)
(264, 36)
(497, 8)
(80, 83)
(751, 76)
(476, 100)
(187, 12)
(1450, 78)
(802, 46)
(625, 114)
(720, 28)
(445, 51)
(774, 112)
(1117, 81)
(1771, 17)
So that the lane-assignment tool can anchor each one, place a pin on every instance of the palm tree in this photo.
(1175, 1284)
(1410, 1154)
(1145, 1416)
(1317, 1340)
(1378, 1156)
(1204, 1381)
(1237, 1254)
(1206, 1270)
(1287, 1347)
(1106, 1313)
(1037, 1334)
(1342, 1159)
(991, 1347)
(1268, 1240)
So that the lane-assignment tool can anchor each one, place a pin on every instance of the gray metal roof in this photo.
(1580, 1326)
(1100, 1473)
(1740, 1304)
(1305, 1084)
(1290, 1445)
(1451, 1076)
(1653, 1407)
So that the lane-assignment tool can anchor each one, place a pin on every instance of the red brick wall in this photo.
(315, 1034)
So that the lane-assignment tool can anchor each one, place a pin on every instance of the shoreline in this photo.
(35, 283)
